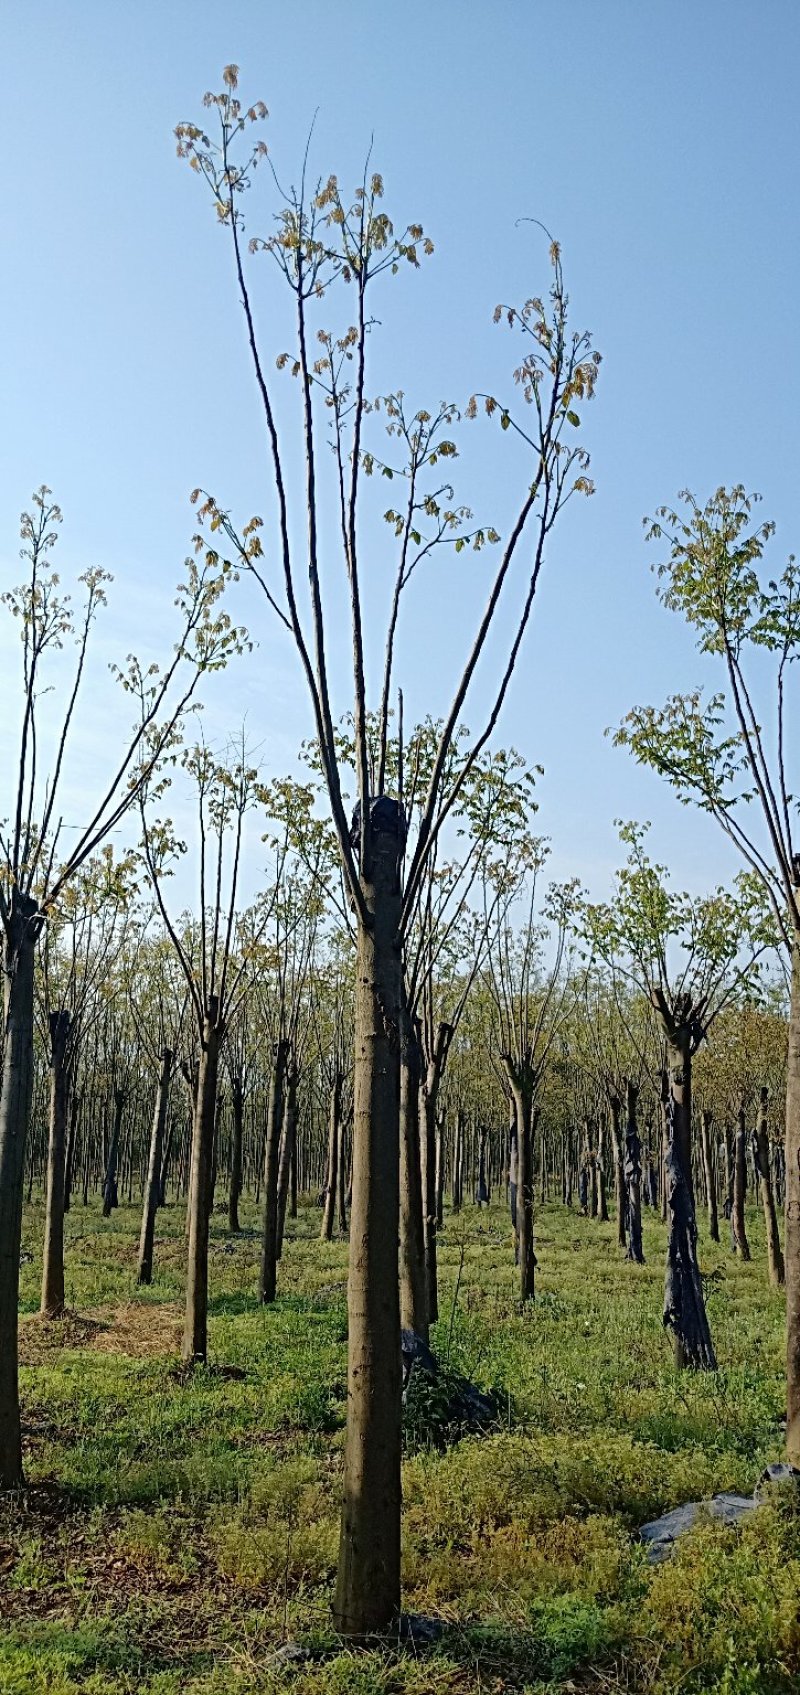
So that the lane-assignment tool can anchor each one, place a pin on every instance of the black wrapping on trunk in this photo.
(632, 1169)
(684, 1307)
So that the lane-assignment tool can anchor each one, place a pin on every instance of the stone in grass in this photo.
(661, 1534)
(418, 1630)
(466, 1408)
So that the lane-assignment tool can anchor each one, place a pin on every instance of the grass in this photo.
(177, 1531)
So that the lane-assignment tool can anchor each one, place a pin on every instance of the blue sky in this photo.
(659, 142)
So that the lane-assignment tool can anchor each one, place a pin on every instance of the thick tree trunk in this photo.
(195, 1333)
(684, 1303)
(602, 1195)
(413, 1275)
(342, 1179)
(440, 1147)
(152, 1190)
(523, 1112)
(15, 1107)
(269, 1234)
(52, 1303)
(237, 1136)
(110, 1197)
(368, 1579)
(740, 1241)
(619, 1168)
(708, 1175)
(427, 1145)
(775, 1263)
(792, 1237)
(334, 1136)
(287, 1149)
(632, 1173)
(72, 1144)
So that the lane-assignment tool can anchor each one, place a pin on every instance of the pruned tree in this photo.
(324, 247)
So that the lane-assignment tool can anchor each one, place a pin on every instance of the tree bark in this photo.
(740, 1187)
(684, 1303)
(368, 1578)
(52, 1302)
(237, 1136)
(413, 1271)
(632, 1173)
(287, 1149)
(523, 1111)
(195, 1333)
(334, 1136)
(152, 1191)
(619, 1167)
(708, 1175)
(777, 1274)
(110, 1198)
(269, 1233)
(15, 1106)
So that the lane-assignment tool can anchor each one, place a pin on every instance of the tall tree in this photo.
(328, 248)
(732, 754)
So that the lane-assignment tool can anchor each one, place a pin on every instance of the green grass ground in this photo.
(176, 1531)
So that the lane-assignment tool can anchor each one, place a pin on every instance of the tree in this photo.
(35, 870)
(224, 791)
(325, 247)
(691, 957)
(731, 754)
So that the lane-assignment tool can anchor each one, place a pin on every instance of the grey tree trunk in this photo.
(195, 1332)
(269, 1234)
(152, 1189)
(72, 1143)
(237, 1134)
(740, 1187)
(633, 1177)
(334, 1136)
(15, 1107)
(619, 1169)
(413, 1273)
(287, 1150)
(427, 1144)
(792, 1236)
(110, 1198)
(52, 1302)
(342, 1179)
(368, 1578)
(523, 1112)
(777, 1275)
(708, 1175)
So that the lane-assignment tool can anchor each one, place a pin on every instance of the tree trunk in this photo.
(269, 1234)
(342, 1179)
(287, 1149)
(368, 1578)
(110, 1197)
(440, 1141)
(52, 1303)
(334, 1135)
(195, 1333)
(632, 1173)
(152, 1191)
(684, 1303)
(237, 1136)
(523, 1112)
(774, 1254)
(602, 1195)
(427, 1144)
(413, 1276)
(72, 1143)
(708, 1175)
(15, 1107)
(619, 1165)
(792, 1236)
(740, 1187)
